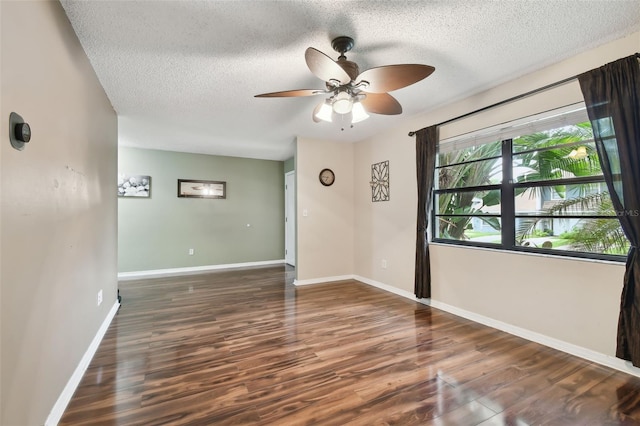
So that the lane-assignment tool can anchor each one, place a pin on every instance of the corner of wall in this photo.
(325, 214)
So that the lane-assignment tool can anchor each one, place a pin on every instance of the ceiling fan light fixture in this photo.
(324, 113)
(342, 103)
(358, 113)
(346, 87)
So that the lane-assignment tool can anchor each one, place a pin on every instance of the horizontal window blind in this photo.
(570, 114)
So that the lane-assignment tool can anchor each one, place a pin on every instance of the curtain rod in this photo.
(514, 98)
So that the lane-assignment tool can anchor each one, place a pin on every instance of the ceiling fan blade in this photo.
(392, 77)
(324, 67)
(291, 93)
(381, 103)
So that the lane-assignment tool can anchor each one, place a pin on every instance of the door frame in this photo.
(290, 218)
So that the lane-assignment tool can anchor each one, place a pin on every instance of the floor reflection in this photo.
(247, 346)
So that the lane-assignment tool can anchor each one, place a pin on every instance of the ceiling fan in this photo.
(349, 90)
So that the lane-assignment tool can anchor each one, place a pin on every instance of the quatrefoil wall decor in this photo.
(380, 181)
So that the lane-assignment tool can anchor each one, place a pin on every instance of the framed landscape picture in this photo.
(190, 188)
(138, 186)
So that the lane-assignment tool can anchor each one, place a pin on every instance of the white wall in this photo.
(386, 230)
(326, 234)
(571, 300)
(575, 301)
(58, 211)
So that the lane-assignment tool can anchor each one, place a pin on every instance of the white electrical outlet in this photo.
(384, 264)
(99, 298)
(191, 251)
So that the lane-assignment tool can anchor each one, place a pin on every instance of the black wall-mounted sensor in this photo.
(19, 131)
(23, 132)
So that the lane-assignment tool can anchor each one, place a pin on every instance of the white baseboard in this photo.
(63, 400)
(386, 287)
(323, 280)
(156, 273)
(579, 351)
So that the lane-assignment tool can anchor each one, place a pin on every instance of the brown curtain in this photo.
(426, 144)
(612, 96)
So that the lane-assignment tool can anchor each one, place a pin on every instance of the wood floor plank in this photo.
(247, 347)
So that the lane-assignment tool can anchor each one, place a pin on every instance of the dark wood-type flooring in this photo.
(247, 347)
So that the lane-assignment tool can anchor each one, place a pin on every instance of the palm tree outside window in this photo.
(539, 189)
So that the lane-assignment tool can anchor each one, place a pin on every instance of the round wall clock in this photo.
(327, 177)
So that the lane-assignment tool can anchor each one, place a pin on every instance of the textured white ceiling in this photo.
(181, 75)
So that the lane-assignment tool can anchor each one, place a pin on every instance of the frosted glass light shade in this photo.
(324, 113)
(342, 103)
(358, 113)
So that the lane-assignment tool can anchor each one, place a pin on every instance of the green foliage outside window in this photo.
(561, 200)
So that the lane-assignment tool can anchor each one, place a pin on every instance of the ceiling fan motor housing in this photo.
(349, 67)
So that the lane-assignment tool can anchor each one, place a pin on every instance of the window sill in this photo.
(620, 262)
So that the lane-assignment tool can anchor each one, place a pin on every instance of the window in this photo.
(533, 187)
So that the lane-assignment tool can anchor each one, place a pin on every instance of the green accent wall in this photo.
(157, 232)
